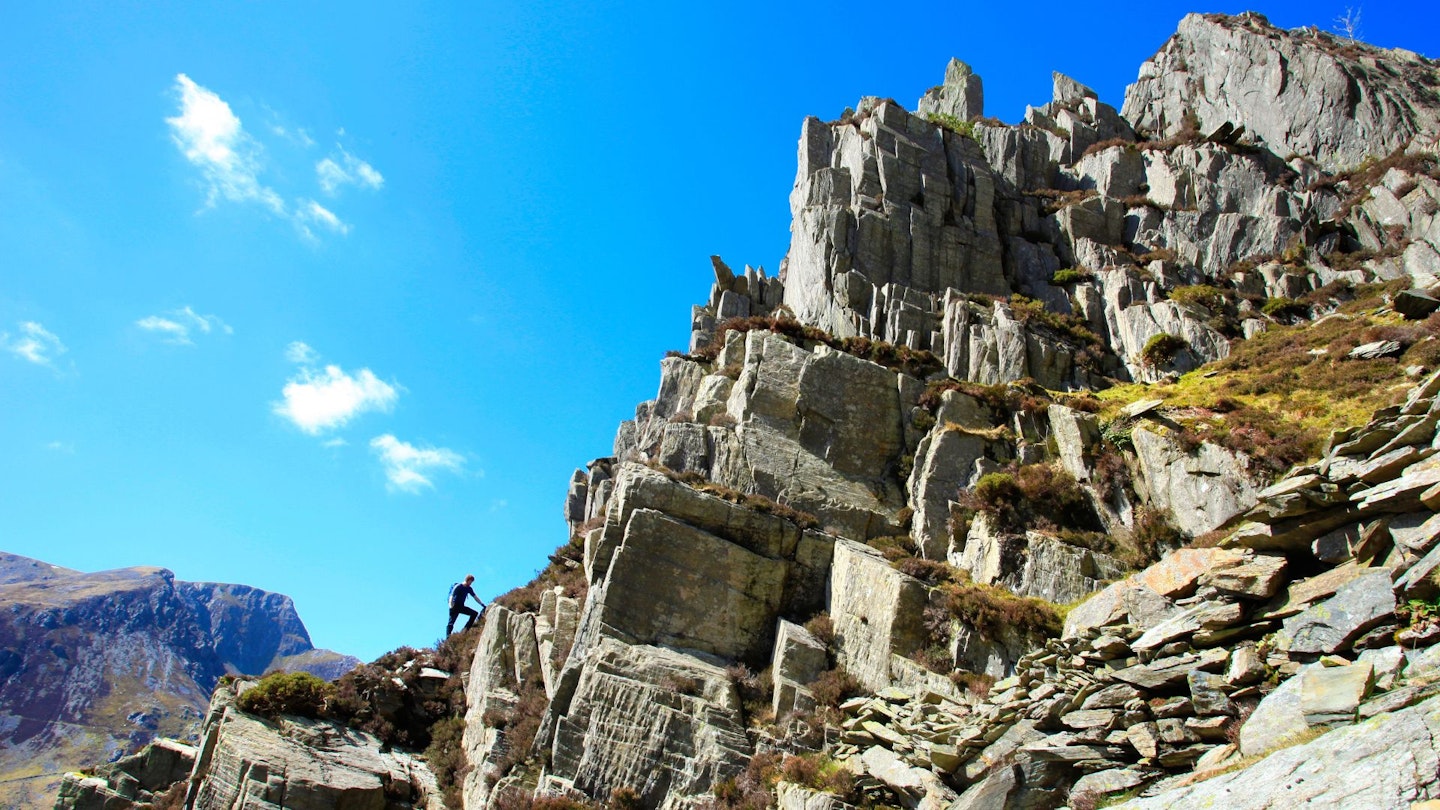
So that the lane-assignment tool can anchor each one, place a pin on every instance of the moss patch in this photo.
(1280, 393)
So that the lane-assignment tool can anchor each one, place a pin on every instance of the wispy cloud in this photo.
(301, 354)
(67, 448)
(211, 137)
(297, 135)
(34, 343)
(310, 213)
(408, 468)
(178, 325)
(320, 400)
(344, 169)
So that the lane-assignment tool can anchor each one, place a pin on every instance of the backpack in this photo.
(450, 598)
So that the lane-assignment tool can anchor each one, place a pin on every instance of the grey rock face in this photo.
(877, 613)
(297, 763)
(919, 235)
(859, 188)
(1201, 491)
(1244, 71)
(1383, 762)
(962, 96)
(661, 723)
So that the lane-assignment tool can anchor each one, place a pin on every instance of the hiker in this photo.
(458, 592)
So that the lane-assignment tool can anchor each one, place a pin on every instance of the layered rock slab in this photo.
(1387, 761)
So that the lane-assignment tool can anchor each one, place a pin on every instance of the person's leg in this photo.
(450, 628)
(469, 611)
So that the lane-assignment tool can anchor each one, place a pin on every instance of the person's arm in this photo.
(476, 597)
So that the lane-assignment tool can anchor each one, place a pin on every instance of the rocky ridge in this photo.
(824, 468)
(934, 519)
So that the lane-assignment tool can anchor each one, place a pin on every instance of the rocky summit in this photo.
(1089, 461)
(95, 665)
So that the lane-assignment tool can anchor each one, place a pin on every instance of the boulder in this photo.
(1330, 626)
(1415, 304)
(1201, 616)
(1075, 434)
(798, 660)
(944, 464)
(248, 762)
(790, 796)
(1245, 574)
(877, 612)
(1178, 573)
(1330, 695)
(1201, 490)
(1277, 719)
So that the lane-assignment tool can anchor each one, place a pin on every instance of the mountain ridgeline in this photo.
(1089, 461)
(96, 664)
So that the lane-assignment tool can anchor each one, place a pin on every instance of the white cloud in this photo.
(499, 504)
(34, 343)
(333, 443)
(68, 448)
(345, 169)
(176, 326)
(408, 468)
(298, 135)
(311, 212)
(300, 353)
(212, 138)
(318, 401)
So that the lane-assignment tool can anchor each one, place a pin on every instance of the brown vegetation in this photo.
(916, 363)
(1041, 496)
(565, 568)
(757, 503)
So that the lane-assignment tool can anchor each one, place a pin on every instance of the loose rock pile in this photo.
(1291, 627)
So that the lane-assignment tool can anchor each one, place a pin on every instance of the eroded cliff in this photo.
(1085, 460)
(881, 473)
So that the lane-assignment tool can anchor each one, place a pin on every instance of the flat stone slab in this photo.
(1278, 718)
(1330, 626)
(1177, 574)
(1300, 595)
(1204, 616)
(1330, 695)
(1140, 408)
(1253, 576)
(1388, 761)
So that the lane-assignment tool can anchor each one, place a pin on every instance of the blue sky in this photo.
(330, 299)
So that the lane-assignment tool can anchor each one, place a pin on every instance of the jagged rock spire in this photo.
(961, 96)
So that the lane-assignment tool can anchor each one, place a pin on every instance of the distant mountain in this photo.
(92, 665)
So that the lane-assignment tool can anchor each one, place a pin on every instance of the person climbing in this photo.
(458, 592)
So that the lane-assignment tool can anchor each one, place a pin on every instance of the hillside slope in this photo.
(94, 665)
